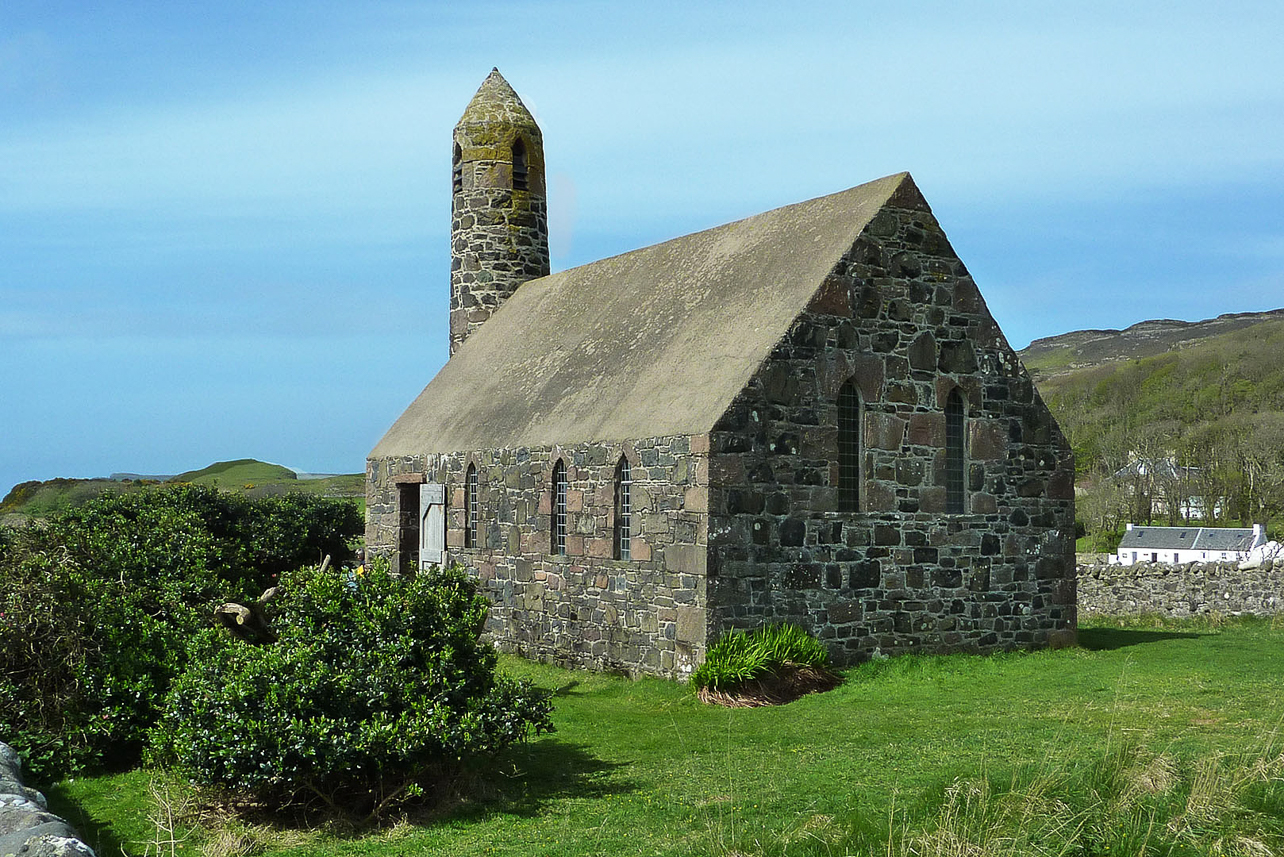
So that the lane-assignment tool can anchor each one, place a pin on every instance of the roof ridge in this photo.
(777, 211)
(649, 343)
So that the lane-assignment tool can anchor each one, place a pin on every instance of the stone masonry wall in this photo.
(1179, 591)
(586, 609)
(902, 317)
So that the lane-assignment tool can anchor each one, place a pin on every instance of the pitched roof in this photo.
(1188, 538)
(649, 343)
(1225, 539)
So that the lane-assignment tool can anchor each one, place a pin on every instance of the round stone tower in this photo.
(499, 210)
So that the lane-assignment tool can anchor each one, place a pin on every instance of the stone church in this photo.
(806, 416)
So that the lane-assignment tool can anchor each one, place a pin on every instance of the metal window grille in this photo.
(559, 509)
(457, 172)
(955, 459)
(623, 508)
(470, 508)
(848, 449)
(519, 166)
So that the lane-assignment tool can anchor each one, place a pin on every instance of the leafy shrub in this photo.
(738, 658)
(98, 603)
(376, 690)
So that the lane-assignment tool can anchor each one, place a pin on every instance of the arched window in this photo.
(519, 165)
(457, 169)
(848, 448)
(470, 507)
(955, 455)
(623, 508)
(558, 547)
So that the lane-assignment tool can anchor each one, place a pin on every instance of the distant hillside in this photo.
(239, 472)
(1208, 395)
(258, 478)
(1163, 371)
(246, 476)
(36, 498)
(1084, 349)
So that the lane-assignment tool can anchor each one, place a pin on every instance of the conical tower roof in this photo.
(495, 106)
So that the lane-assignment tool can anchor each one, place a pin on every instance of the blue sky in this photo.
(224, 227)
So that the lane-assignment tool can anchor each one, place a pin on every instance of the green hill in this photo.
(1082, 349)
(1209, 396)
(36, 499)
(243, 471)
(246, 476)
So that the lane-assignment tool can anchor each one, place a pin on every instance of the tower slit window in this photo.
(457, 169)
(623, 508)
(849, 451)
(519, 165)
(955, 454)
(470, 507)
(558, 547)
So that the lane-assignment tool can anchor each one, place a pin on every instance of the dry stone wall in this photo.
(642, 615)
(902, 317)
(1179, 591)
(27, 828)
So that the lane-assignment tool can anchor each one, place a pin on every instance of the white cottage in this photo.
(1177, 545)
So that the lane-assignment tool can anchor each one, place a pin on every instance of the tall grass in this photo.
(1125, 801)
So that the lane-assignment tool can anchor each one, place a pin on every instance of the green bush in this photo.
(97, 605)
(738, 657)
(376, 690)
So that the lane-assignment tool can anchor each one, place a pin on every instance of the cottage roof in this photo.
(1225, 539)
(649, 343)
(1188, 538)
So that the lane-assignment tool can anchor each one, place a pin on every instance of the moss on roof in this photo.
(650, 343)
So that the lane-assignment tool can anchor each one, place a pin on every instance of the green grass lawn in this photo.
(907, 746)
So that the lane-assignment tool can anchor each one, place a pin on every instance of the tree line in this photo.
(1190, 436)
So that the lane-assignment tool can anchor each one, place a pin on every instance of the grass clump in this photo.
(771, 665)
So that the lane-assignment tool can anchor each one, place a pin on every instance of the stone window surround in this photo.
(557, 509)
(622, 517)
(471, 506)
(850, 429)
(956, 452)
(519, 157)
(558, 453)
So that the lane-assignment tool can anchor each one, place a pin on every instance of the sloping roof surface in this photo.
(650, 343)
(1225, 539)
(1187, 538)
